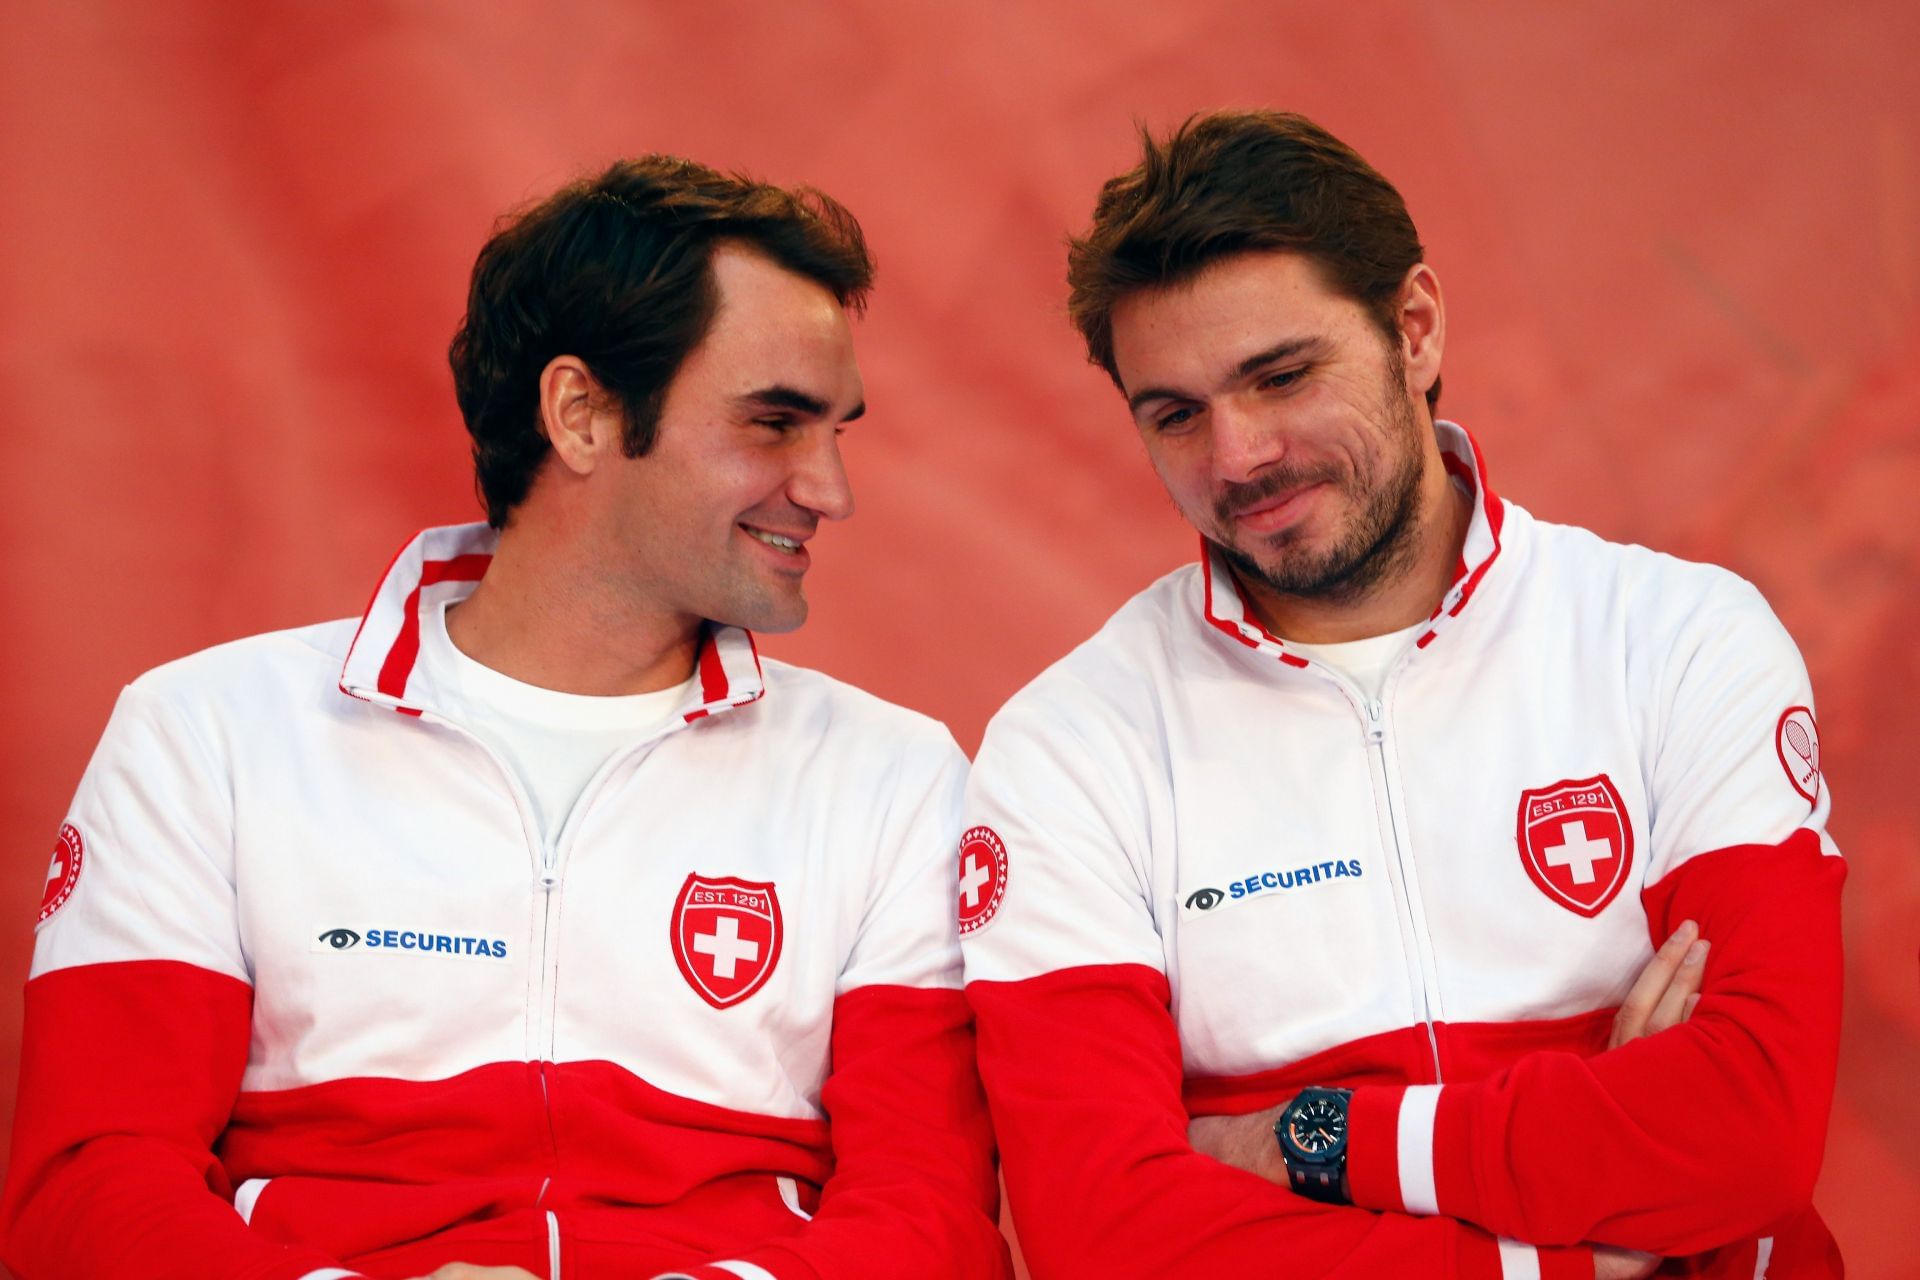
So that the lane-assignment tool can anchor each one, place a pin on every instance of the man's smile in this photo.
(1277, 511)
(791, 547)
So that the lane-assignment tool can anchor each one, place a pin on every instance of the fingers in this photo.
(1676, 1003)
(1636, 1011)
(1622, 1264)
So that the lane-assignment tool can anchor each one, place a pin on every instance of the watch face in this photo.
(1317, 1127)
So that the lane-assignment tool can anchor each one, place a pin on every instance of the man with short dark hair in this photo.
(1378, 854)
(532, 924)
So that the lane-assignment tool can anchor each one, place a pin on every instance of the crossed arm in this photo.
(1663, 996)
(1083, 1071)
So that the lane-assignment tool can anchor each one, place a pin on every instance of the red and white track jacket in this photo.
(309, 993)
(1202, 872)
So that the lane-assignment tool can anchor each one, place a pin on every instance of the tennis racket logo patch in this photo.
(1796, 740)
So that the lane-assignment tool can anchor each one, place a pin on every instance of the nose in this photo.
(820, 477)
(1245, 441)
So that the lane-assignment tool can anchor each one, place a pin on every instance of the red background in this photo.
(1678, 243)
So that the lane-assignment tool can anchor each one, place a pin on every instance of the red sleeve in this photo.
(1706, 1133)
(127, 1075)
(1082, 1068)
(913, 1193)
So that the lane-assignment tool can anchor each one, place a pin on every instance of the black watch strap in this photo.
(1318, 1184)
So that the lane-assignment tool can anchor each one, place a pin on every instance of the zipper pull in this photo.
(1376, 722)
(549, 869)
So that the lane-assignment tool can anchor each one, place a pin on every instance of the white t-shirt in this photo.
(1365, 662)
(554, 742)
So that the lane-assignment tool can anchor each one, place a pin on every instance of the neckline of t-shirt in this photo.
(1344, 651)
(475, 682)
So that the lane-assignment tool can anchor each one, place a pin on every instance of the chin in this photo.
(1285, 555)
(767, 617)
(780, 625)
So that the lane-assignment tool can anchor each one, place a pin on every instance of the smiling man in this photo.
(532, 924)
(1343, 907)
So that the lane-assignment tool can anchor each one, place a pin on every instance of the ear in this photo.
(1423, 328)
(578, 417)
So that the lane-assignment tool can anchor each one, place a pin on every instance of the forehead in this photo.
(772, 325)
(1191, 331)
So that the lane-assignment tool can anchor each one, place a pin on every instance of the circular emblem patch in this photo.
(983, 877)
(1797, 741)
(63, 872)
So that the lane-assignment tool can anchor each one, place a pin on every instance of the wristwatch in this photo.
(1312, 1133)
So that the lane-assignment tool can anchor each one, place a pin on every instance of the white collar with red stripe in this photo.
(444, 564)
(1226, 606)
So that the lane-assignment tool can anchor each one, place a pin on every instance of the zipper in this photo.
(548, 876)
(551, 852)
(1375, 711)
(547, 879)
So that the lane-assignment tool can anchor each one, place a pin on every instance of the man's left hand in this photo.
(1667, 989)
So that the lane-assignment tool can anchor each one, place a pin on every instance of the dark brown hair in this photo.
(1232, 182)
(616, 269)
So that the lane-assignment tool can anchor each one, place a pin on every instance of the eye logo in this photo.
(1204, 899)
(376, 940)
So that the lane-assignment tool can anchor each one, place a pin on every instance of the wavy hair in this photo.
(616, 270)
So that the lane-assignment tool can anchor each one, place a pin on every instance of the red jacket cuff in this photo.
(1483, 1255)
(1393, 1158)
(769, 1263)
(1373, 1165)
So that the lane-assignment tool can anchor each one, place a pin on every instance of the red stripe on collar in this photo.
(713, 676)
(1488, 505)
(720, 687)
(398, 664)
(1238, 630)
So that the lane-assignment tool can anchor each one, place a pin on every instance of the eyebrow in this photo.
(1278, 351)
(784, 397)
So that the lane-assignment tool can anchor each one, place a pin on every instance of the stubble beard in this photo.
(1379, 542)
(764, 604)
(758, 606)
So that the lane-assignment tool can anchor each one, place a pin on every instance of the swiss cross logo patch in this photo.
(983, 877)
(726, 937)
(63, 870)
(1576, 842)
(1797, 741)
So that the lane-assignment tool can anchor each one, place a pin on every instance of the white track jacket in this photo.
(1202, 872)
(309, 998)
